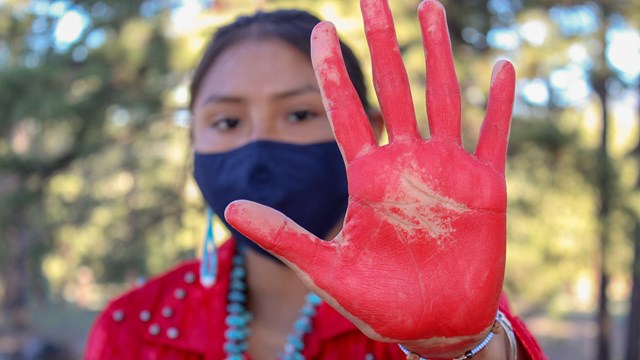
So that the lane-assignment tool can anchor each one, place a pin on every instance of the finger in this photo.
(273, 231)
(443, 91)
(389, 75)
(348, 119)
(494, 134)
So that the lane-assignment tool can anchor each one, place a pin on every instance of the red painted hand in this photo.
(420, 258)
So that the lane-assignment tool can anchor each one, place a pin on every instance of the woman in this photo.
(415, 256)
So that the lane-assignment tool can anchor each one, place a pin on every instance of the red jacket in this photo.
(173, 317)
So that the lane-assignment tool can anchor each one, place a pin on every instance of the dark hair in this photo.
(291, 26)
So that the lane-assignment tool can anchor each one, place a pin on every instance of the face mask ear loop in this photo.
(209, 262)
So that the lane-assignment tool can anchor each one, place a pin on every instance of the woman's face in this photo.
(259, 90)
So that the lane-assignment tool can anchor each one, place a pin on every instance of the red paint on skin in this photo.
(389, 75)
(349, 121)
(443, 91)
(421, 255)
(494, 134)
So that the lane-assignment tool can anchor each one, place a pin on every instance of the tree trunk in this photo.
(633, 334)
(15, 301)
(603, 318)
(604, 190)
(633, 330)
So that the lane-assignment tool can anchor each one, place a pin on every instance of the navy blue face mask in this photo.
(307, 183)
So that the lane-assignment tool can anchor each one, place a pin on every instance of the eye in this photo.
(226, 124)
(301, 115)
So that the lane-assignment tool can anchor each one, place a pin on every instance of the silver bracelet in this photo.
(508, 329)
(471, 353)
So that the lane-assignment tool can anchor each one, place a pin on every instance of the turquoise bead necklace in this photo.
(239, 318)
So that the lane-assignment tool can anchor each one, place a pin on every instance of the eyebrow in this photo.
(285, 94)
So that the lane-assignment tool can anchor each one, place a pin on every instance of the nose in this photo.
(262, 128)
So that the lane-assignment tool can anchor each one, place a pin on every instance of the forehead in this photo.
(257, 67)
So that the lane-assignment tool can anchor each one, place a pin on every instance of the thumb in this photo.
(282, 237)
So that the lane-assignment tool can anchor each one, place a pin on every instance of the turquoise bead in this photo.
(236, 320)
(235, 348)
(293, 356)
(235, 334)
(237, 296)
(237, 284)
(313, 299)
(235, 308)
(288, 349)
(238, 273)
(308, 310)
(238, 260)
(302, 325)
(296, 342)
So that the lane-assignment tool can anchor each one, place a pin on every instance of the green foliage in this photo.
(93, 162)
(551, 230)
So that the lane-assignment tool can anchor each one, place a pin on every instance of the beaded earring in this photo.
(209, 262)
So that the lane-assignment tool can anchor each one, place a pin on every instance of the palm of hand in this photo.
(420, 258)
(422, 235)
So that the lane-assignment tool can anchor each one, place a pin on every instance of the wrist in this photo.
(498, 343)
(503, 345)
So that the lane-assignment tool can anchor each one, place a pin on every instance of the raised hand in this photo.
(420, 258)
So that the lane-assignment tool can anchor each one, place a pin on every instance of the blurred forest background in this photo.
(95, 160)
